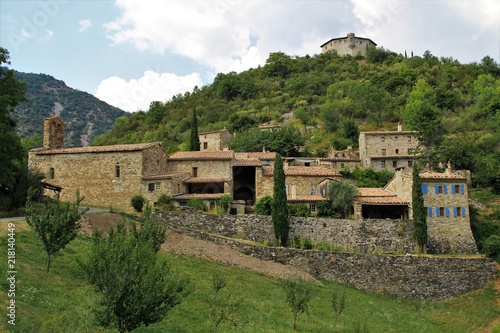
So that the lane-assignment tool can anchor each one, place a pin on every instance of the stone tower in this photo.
(53, 133)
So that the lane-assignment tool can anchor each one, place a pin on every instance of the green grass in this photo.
(62, 301)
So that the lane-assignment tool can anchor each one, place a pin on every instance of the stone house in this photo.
(350, 44)
(389, 150)
(342, 159)
(446, 200)
(215, 140)
(378, 203)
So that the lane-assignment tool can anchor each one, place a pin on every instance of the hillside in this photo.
(330, 98)
(84, 115)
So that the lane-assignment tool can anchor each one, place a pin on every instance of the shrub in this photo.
(164, 203)
(197, 204)
(138, 202)
(299, 209)
(224, 203)
(264, 205)
(491, 247)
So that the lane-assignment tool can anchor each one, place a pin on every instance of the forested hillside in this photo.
(330, 98)
(84, 115)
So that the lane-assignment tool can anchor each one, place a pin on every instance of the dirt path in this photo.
(207, 250)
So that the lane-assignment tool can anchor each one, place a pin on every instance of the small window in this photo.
(409, 138)
(286, 189)
(342, 165)
(396, 151)
(440, 189)
(334, 165)
(151, 187)
(382, 139)
(457, 211)
(456, 189)
(158, 186)
(52, 173)
(410, 164)
(205, 145)
(117, 171)
(312, 207)
(307, 164)
(394, 164)
(441, 211)
(410, 151)
(382, 164)
(195, 172)
(383, 152)
(314, 189)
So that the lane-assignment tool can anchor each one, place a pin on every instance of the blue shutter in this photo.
(437, 211)
(462, 189)
(445, 189)
(424, 188)
(447, 210)
(430, 211)
(455, 212)
(463, 211)
(452, 189)
(436, 189)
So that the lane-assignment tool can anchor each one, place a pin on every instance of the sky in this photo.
(131, 52)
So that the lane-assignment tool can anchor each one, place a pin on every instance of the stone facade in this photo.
(446, 200)
(349, 45)
(215, 140)
(431, 278)
(53, 133)
(389, 150)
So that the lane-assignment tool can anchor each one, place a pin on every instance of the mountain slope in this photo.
(84, 115)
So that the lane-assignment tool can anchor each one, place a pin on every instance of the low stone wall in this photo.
(408, 276)
(360, 235)
(416, 277)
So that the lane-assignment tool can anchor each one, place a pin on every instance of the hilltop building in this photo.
(350, 44)
(215, 140)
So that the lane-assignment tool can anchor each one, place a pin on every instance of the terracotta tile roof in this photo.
(212, 132)
(305, 198)
(96, 149)
(199, 196)
(378, 196)
(248, 162)
(166, 175)
(198, 180)
(203, 155)
(303, 171)
(388, 132)
(437, 175)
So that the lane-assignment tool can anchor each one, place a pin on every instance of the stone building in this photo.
(389, 150)
(378, 203)
(446, 200)
(215, 140)
(342, 159)
(350, 44)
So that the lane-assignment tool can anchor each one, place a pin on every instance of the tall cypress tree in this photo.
(281, 221)
(419, 212)
(194, 143)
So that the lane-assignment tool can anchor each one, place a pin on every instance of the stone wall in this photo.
(430, 278)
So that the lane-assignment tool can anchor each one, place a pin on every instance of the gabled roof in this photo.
(203, 155)
(96, 149)
(378, 196)
(303, 171)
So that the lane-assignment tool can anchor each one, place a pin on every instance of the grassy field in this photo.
(62, 301)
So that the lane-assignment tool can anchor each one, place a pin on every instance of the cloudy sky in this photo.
(131, 52)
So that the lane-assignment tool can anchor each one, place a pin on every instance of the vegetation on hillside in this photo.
(84, 115)
(330, 98)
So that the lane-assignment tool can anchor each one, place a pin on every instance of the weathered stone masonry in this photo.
(417, 277)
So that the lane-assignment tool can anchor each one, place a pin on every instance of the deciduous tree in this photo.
(298, 294)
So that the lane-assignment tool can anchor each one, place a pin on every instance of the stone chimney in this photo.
(53, 133)
(448, 169)
(400, 127)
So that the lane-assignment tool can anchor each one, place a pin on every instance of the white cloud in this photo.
(137, 94)
(48, 35)
(84, 25)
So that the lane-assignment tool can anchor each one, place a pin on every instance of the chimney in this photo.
(448, 169)
(400, 127)
(53, 133)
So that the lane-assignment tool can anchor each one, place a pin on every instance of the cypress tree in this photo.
(419, 212)
(194, 143)
(281, 221)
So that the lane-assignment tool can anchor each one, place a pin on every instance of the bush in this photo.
(264, 205)
(491, 247)
(299, 209)
(164, 203)
(325, 209)
(224, 203)
(197, 204)
(138, 202)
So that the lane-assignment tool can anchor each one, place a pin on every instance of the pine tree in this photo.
(419, 212)
(194, 143)
(281, 221)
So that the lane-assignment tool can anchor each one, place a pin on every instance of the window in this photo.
(394, 164)
(307, 164)
(382, 139)
(456, 189)
(314, 189)
(409, 138)
(151, 187)
(410, 151)
(410, 164)
(195, 172)
(383, 152)
(334, 165)
(205, 145)
(286, 189)
(441, 211)
(396, 151)
(439, 189)
(158, 186)
(52, 173)
(312, 207)
(456, 211)
(382, 164)
(342, 165)
(117, 171)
